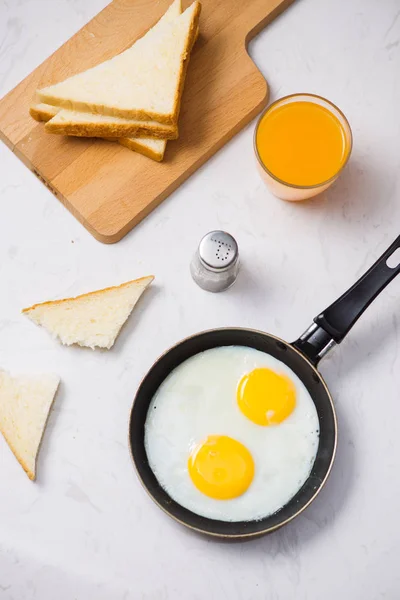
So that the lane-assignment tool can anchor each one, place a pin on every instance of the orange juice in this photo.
(302, 142)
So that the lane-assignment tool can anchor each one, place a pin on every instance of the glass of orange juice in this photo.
(302, 143)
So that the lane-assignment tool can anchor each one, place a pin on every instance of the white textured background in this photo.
(86, 529)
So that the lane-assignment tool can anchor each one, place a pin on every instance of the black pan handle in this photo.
(334, 323)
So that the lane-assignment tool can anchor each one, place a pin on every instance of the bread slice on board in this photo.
(43, 112)
(73, 122)
(150, 147)
(92, 320)
(144, 82)
(70, 122)
(25, 403)
(153, 148)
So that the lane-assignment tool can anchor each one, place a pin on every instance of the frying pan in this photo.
(302, 356)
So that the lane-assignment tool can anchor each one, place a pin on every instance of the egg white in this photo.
(198, 399)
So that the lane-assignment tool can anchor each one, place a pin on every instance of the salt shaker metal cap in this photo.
(216, 263)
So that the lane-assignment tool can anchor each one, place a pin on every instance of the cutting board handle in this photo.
(258, 14)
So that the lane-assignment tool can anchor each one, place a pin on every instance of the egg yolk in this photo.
(265, 397)
(221, 467)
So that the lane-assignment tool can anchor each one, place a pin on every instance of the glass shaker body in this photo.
(215, 264)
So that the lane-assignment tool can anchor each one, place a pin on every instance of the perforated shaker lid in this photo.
(218, 250)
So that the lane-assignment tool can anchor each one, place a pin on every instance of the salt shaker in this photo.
(215, 265)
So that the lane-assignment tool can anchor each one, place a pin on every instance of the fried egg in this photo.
(232, 434)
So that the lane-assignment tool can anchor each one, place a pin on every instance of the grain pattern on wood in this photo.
(106, 186)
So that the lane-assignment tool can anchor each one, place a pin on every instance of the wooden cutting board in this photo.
(106, 186)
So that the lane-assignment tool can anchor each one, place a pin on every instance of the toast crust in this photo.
(190, 41)
(141, 114)
(42, 114)
(104, 130)
(149, 279)
(31, 475)
(39, 114)
(136, 146)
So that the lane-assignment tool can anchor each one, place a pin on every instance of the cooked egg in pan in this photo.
(232, 434)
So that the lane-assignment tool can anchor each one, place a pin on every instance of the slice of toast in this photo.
(25, 403)
(92, 320)
(151, 147)
(43, 112)
(144, 82)
(81, 124)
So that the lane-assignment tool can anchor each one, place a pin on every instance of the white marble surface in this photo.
(86, 529)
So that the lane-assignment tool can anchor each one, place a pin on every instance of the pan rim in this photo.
(254, 534)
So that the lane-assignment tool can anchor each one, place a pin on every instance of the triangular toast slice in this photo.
(144, 82)
(84, 124)
(25, 403)
(151, 147)
(92, 320)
